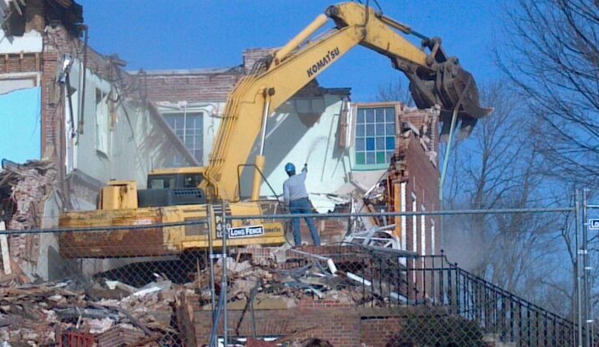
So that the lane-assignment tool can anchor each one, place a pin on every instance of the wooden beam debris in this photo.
(5, 250)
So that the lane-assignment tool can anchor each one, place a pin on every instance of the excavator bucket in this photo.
(451, 87)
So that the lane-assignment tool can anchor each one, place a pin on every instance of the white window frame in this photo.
(423, 230)
(414, 223)
(70, 128)
(388, 152)
(403, 205)
(185, 112)
(102, 116)
(433, 250)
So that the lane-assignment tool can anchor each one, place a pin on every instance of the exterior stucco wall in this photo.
(312, 138)
(306, 129)
(137, 141)
(30, 42)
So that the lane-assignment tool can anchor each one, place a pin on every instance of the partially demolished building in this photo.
(89, 120)
(387, 150)
(97, 122)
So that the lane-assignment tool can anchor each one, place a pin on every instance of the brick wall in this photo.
(423, 181)
(251, 56)
(379, 331)
(336, 322)
(207, 85)
(191, 86)
(210, 85)
(24, 62)
(51, 112)
(120, 336)
(57, 43)
(342, 324)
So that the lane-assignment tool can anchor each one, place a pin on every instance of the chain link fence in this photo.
(358, 289)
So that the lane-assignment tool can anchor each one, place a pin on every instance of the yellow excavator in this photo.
(186, 194)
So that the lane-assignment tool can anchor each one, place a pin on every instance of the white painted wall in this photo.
(136, 141)
(212, 120)
(290, 140)
(30, 42)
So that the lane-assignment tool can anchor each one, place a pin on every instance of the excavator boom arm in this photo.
(292, 67)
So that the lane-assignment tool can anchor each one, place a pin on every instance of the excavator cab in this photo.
(171, 187)
(158, 180)
(166, 187)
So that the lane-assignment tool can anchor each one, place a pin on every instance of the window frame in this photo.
(102, 125)
(423, 230)
(414, 223)
(168, 115)
(356, 108)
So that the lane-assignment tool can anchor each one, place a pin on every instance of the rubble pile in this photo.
(23, 191)
(268, 287)
(327, 280)
(297, 275)
(111, 313)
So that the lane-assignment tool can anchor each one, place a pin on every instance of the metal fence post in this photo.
(578, 224)
(224, 288)
(211, 229)
(587, 268)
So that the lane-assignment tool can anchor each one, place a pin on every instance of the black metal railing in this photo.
(392, 280)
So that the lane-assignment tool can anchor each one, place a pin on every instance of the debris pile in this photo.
(277, 282)
(23, 191)
(284, 277)
(47, 313)
(109, 310)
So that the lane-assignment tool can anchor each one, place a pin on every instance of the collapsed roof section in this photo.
(22, 16)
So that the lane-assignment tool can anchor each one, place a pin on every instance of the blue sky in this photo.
(187, 34)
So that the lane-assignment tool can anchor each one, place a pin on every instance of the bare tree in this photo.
(499, 167)
(394, 91)
(553, 57)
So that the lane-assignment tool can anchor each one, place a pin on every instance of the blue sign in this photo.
(593, 224)
(239, 232)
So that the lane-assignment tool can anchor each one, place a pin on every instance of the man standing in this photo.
(297, 202)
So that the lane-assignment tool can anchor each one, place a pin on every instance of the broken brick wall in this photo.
(412, 181)
(336, 322)
(202, 85)
(206, 85)
(57, 43)
(415, 166)
(342, 324)
(423, 188)
(253, 55)
(379, 330)
(190, 86)
(24, 192)
(20, 62)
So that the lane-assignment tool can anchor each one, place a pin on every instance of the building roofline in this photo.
(207, 71)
